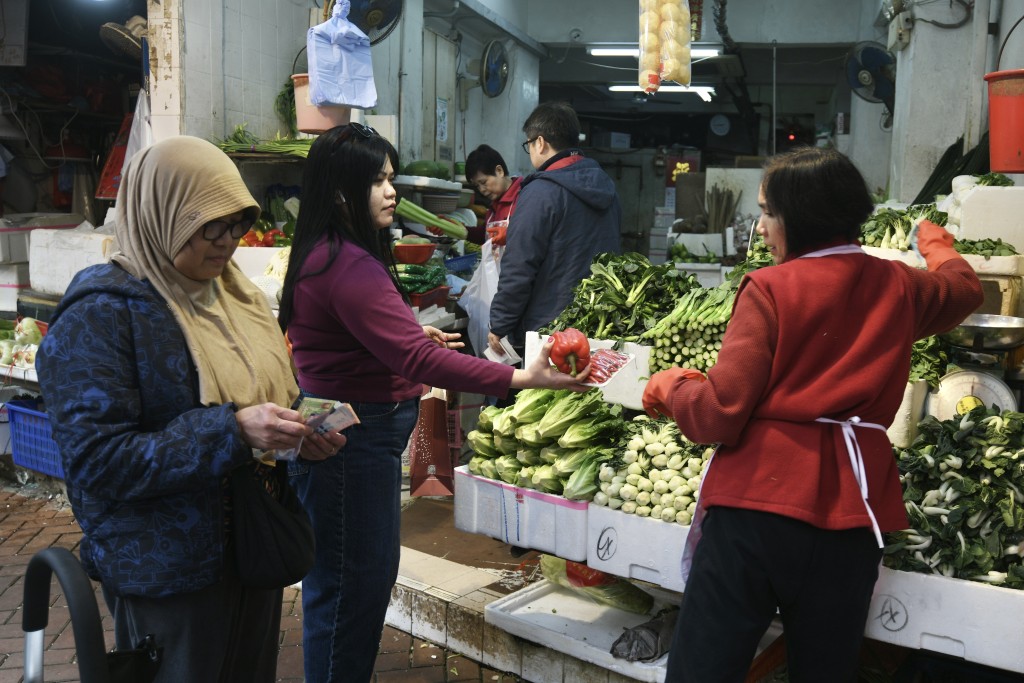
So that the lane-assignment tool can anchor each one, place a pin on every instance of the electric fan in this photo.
(376, 18)
(871, 73)
(494, 69)
(124, 39)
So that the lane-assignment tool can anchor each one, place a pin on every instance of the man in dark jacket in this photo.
(566, 214)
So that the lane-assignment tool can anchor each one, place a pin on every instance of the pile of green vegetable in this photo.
(890, 228)
(242, 140)
(963, 487)
(624, 296)
(691, 335)
(416, 279)
(678, 253)
(551, 441)
(929, 360)
(658, 474)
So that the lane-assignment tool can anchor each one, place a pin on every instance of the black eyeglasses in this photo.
(365, 131)
(526, 145)
(214, 230)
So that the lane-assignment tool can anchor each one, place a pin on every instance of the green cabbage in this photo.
(27, 332)
(600, 587)
(583, 483)
(568, 409)
(545, 479)
(506, 445)
(591, 431)
(530, 405)
(527, 434)
(482, 443)
(508, 468)
(485, 422)
(488, 469)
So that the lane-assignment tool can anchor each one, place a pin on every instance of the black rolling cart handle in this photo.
(85, 615)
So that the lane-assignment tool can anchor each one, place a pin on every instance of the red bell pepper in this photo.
(571, 351)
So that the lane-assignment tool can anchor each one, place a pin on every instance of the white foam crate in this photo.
(993, 265)
(974, 621)
(520, 517)
(575, 625)
(626, 388)
(57, 254)
(707, 274)
(636, 547)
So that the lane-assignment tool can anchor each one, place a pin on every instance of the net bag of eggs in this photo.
(664, 43)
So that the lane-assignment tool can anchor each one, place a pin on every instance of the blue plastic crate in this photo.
(461, 264)
(32, 444)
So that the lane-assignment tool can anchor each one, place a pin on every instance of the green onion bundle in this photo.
(691, 335)
(244, 141)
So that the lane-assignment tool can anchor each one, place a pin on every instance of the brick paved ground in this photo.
(31, 520)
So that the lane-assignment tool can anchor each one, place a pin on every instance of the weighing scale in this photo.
(982, 341)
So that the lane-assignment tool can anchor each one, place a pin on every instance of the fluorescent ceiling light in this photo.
(696, 52)
(703, 91)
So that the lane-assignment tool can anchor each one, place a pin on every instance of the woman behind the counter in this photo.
(817, 352)
(355, 339)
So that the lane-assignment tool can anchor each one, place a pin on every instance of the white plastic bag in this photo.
(141, 135)
(476, 297)
(340, 69)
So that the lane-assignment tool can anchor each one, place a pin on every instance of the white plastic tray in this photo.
(573, 624)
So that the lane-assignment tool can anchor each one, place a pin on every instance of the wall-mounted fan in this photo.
(494, 69)
(376, 18)
(871, 73)
(124, 39)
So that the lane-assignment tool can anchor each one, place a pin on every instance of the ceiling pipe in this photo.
(444, 15)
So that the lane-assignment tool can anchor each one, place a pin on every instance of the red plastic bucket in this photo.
(313, 119)
(1006, 120)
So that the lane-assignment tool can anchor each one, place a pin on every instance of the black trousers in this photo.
(749, 564)
(224, 633)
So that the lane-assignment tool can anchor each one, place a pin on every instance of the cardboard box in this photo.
(612, 140)
(626, 388)
(520, 517)
(636, 547)
(974, 621)
(56, 255)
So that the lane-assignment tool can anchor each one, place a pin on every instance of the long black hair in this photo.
(342, 166)
(819, 195)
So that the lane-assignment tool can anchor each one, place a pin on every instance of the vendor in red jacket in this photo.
(812, 370)
(487, 171)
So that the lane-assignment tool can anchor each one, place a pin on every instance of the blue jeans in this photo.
(354, 500)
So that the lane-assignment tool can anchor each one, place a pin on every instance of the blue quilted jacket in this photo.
(144, 462)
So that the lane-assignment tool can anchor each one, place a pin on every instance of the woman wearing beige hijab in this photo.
(162, 371)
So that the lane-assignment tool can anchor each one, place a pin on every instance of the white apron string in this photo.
(857, 463)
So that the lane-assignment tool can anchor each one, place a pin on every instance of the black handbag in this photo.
(271, 532)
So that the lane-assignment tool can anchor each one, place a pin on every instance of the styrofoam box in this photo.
(16, 227)
(626, 388)
(994, 265)
(707, 274)
(903, 429)
(700, 243)
(55, 256)
(636, 547)
(574, 624)
(993, 212)
(520, 517)
(253, 260)
(13, 279)
(975, 621)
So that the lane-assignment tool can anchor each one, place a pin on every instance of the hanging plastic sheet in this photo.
(340, 69)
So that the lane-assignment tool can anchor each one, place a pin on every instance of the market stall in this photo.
(590, 480)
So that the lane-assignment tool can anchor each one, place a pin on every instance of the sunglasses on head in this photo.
(214, 230)
(365, 131)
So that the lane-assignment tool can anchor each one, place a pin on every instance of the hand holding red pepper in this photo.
(571, 352)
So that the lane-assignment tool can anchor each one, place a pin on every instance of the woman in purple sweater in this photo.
(355, 339)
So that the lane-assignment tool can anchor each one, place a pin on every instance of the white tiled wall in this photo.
(236, 55)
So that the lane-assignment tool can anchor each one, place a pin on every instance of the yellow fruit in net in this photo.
(649, 80)
(650, 61)
(671, 11)
(673, 49)
(650, 42)
(650, 5)
(680, 73)
(670, 30)
(649, 21)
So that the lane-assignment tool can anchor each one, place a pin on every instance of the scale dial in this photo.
(963, 390)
